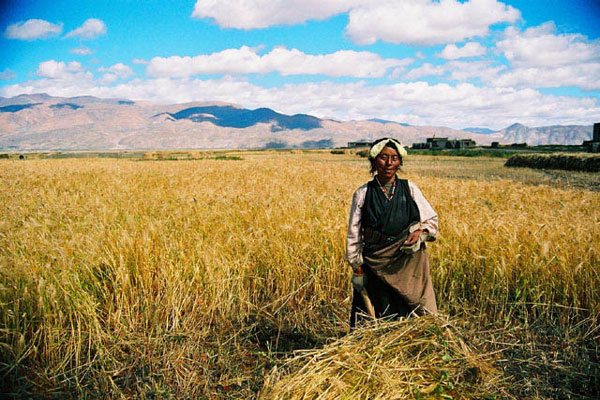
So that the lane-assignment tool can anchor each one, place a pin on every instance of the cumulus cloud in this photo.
(421, 22)
(458, 70)
(7, 75)
(33, 29)
(425, 22)
(475, 72)
(418, 103)
(82, 51)
(118, 70)
(91, 29)
(585, 76)
(254, 14)
(542, 47)
(427, 69)
(541, 58)
(58, 69)
(73, 77)
(246, 60)
(108, 79)
(471, 49)
(482, 70)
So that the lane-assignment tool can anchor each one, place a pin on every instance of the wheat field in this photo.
(195, 278)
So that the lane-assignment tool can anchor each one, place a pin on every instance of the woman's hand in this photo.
(413, 237)
(359, 281)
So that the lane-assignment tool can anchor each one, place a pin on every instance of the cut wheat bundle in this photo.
(571, 162)
(424, 357)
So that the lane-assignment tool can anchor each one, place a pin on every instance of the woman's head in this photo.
(386, 157)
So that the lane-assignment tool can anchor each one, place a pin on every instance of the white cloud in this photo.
(399, 71)
(463, 70)
(459, 71)
(254, 14)
(33, 29)
(82, 51)
(119, 69)
(7, 75)
(91, 29)
(425, 22)
(541, 58)
(245, 60)
(585, 76)
(422, 22)
(58, 69)
(73, 77)
(108, 79)
(542, 47)
(427, 69)
(418, 103)
(471, 49)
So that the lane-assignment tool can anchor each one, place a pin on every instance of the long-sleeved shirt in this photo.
(354, 242)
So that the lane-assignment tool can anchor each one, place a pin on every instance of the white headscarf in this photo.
(377, 147)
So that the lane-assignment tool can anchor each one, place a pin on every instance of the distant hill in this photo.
(26, 99)
(17, 107)
(483, 131)
(233, 117)
(556, 134)
(385, 121)
(43, 122)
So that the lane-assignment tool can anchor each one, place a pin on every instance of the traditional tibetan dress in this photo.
(398, 279)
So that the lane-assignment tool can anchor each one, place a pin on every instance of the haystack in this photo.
(417, 358)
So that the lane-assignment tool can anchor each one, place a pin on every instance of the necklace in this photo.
(385, 190)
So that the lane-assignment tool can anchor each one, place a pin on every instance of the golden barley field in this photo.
(141, 278)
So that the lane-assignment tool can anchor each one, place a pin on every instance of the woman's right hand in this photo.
(359, 281)
(413, 237)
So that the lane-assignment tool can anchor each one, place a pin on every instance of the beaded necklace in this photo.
(385, 190)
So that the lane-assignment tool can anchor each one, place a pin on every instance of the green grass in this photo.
(463, 153)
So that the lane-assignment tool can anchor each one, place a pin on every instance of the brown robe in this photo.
(398, 283)
(407, 274)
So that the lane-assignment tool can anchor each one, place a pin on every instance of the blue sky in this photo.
(484, 63)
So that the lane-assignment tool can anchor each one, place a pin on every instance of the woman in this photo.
(389, 222)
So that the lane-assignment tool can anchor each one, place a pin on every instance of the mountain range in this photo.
(43, 122)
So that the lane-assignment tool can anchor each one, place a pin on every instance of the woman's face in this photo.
(387, 163)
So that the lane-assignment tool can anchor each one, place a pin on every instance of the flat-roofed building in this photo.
(593, 146)
(362, 143)
(435, 143)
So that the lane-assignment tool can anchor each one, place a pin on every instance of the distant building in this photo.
(593, 146)
(435, 143)
(495, 145)
(461, 144)
(362, 143)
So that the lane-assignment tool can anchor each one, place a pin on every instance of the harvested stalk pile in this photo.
(571, 162)
(425, 358)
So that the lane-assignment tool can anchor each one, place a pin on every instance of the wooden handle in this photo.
(367, 301)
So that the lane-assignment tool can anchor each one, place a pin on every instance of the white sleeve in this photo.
(429, 218)
(354, 239)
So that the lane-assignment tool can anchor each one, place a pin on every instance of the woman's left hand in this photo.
(413, 237)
